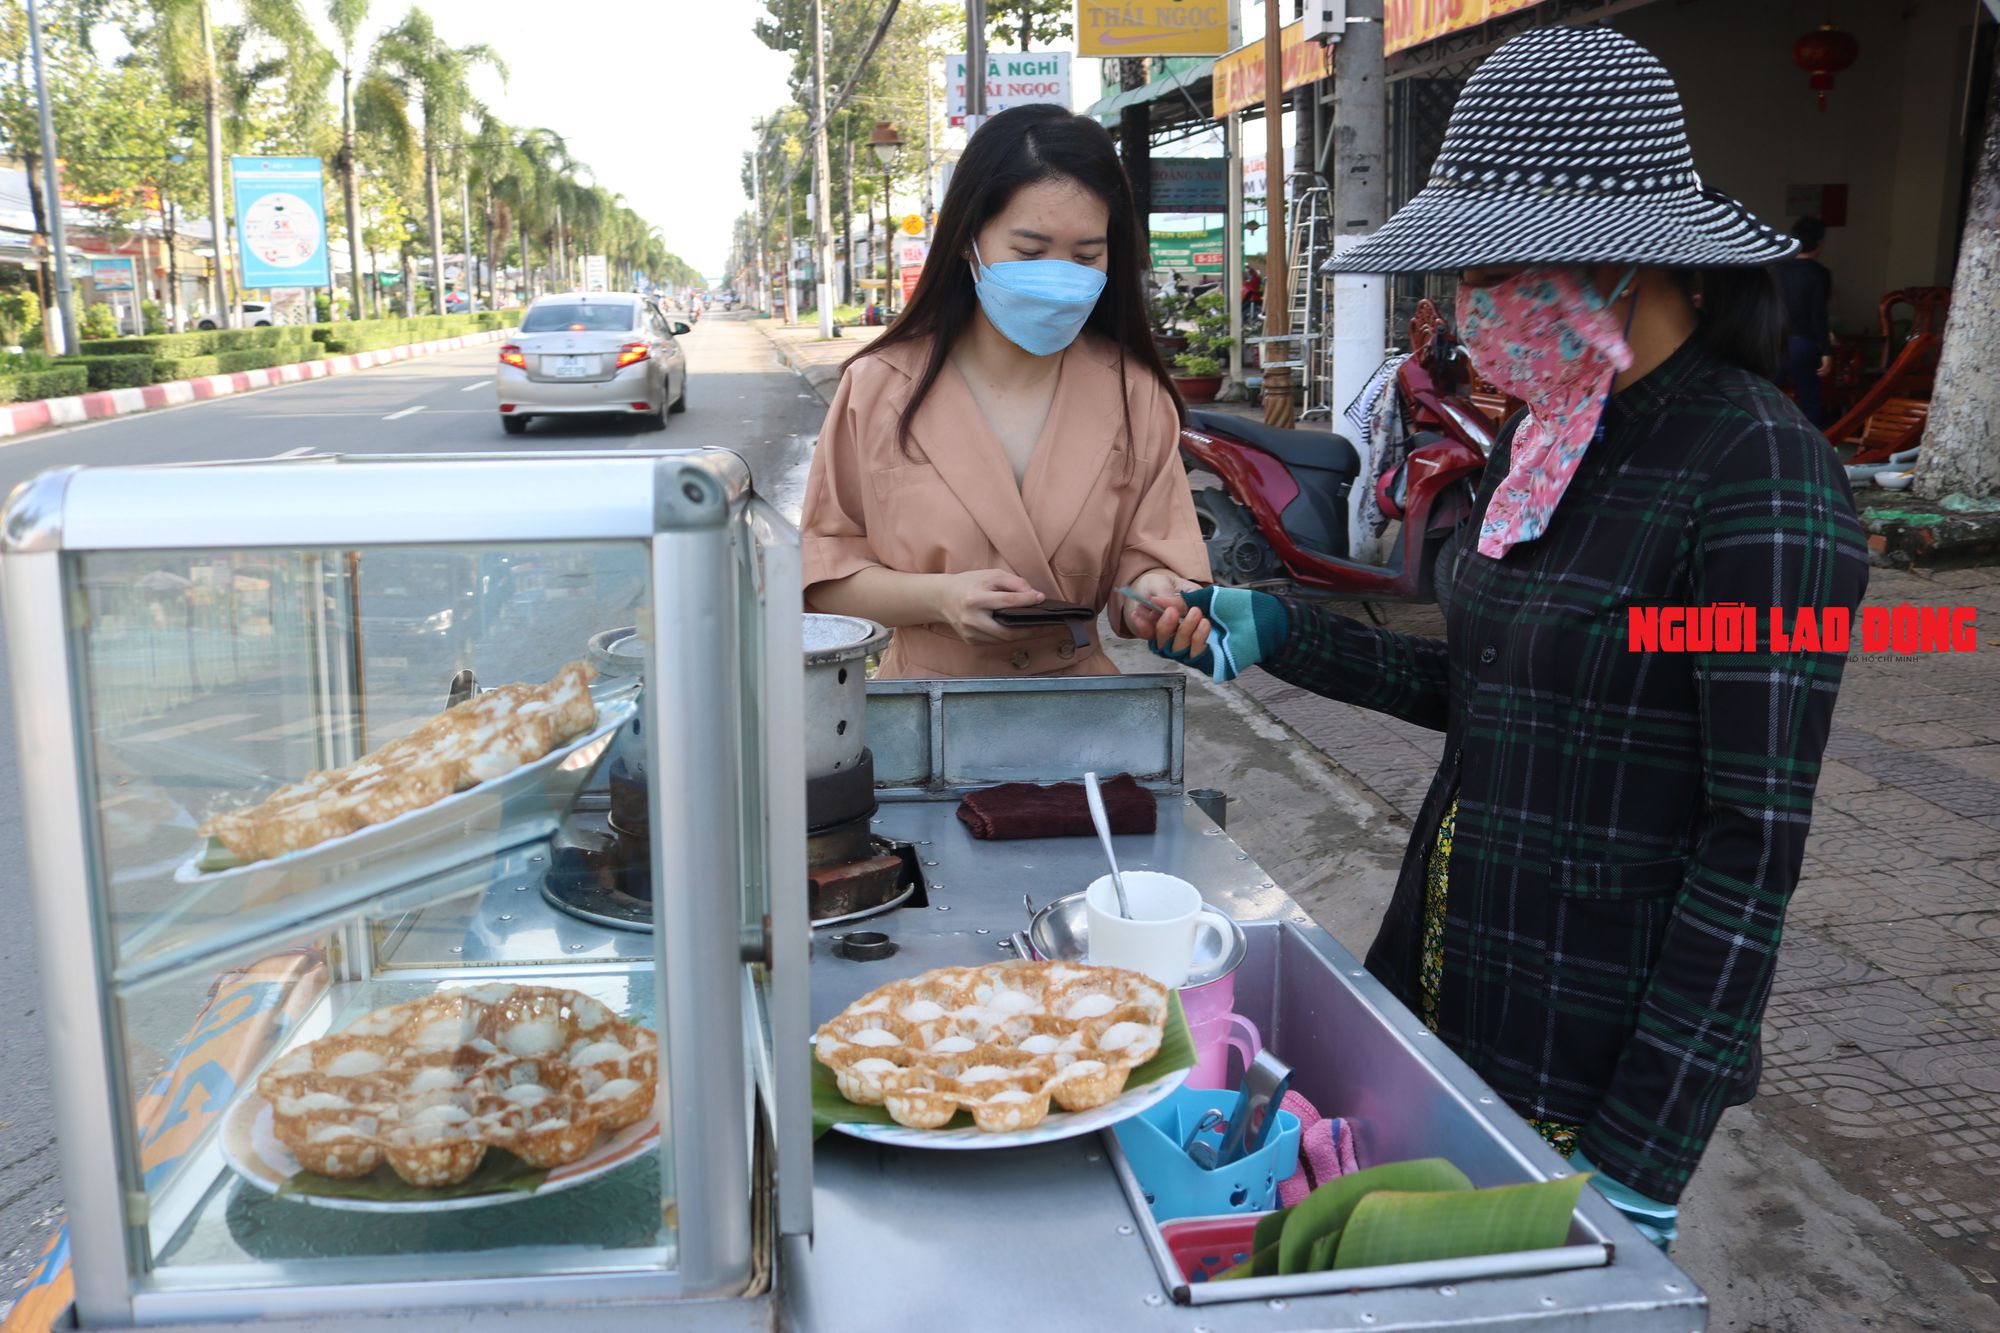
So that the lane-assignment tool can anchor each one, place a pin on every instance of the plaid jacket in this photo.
(1630, 824)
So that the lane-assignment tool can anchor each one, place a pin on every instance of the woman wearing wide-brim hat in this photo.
(1590, 907)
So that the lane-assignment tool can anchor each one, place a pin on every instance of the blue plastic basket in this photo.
(1175, 1187)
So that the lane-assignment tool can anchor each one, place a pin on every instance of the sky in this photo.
(657, 97)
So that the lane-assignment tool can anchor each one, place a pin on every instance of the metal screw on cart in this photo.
(1154, 1298)
(1548, 1300)
(1277, 1303)
(1243, 856)
(1447, 1290)
(982, 931)
(1673, 1288)
(928, 863)
(944, 907)
(458, 948)
(520, 888)
(506, 916)
(1124, 1228)
(537, 857)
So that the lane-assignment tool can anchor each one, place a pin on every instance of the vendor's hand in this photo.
(1825, 366)
(1222, 631)
(966, 603)
(1161, 586)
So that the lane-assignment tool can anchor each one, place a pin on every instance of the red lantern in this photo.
(1824, 54)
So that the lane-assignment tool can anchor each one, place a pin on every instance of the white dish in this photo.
(254, 1153)
(1058, 1125)
(1895, 481)
(528, 803)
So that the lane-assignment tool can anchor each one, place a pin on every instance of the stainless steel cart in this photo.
(183, 637)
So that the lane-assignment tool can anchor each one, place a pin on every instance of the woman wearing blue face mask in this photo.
(1011, 443)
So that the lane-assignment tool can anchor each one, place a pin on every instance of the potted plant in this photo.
(1198, 368)
(1164, 311)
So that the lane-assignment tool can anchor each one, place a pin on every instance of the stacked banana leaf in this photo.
(1405, 1212)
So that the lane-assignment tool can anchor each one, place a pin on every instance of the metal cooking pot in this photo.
(837, 651)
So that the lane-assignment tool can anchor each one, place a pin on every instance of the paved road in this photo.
(739, 397)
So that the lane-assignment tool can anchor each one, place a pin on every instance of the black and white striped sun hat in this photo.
(1567, 146)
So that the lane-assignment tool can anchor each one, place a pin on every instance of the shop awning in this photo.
(1179, 99)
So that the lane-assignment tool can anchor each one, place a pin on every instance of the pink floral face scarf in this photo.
(1547, 337)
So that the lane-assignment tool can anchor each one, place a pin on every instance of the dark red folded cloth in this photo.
(1024, 810)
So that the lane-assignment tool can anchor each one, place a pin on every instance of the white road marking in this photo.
(408, 411)
(186, 728)
(477, 384)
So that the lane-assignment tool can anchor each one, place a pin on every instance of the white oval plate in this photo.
(253, 1151)
(1059, 1125)
(561, 773)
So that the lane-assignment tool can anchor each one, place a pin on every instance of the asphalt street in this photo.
(739, 397)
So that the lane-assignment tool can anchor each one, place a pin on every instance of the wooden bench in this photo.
(1895, 425)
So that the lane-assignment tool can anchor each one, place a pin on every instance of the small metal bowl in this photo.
(1061, 931)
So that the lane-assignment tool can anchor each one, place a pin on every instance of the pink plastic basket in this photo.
(1206, 1247)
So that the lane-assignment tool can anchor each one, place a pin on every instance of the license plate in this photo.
(575, 367)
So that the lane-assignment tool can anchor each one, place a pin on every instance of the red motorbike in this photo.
(1274, 505)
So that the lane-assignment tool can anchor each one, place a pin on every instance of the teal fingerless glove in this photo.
(1656, 1221)
(1247, 628)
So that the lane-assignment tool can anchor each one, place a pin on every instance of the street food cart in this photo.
(184, 641)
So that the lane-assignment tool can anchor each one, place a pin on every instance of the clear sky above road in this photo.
(656, 96)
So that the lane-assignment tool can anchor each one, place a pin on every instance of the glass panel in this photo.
(254, 1068)
(212, 680)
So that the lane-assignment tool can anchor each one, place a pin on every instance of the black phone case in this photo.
(1048, 613)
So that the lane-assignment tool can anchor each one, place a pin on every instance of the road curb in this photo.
(822, 376)
(22, 418)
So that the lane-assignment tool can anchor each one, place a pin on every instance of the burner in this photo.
(604, 875)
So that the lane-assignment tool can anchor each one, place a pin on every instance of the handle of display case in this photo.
(788, 1090)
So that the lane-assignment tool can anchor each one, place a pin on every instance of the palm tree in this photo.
(347, 16)
(183, 37)
(539, 160)
(433, 74)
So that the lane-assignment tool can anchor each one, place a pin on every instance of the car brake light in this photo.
(631, 354)
(510, 355)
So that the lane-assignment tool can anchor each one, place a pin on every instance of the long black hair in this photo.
(1019, 147)
(1740, 318)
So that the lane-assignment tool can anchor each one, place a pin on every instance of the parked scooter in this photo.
(1281, 518)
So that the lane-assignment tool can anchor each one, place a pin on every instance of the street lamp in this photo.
(886, 144)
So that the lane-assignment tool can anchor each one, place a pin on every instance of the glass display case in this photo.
(302, 743)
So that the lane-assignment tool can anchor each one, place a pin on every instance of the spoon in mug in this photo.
(1097, 817)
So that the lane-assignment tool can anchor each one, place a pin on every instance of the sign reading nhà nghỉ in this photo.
(1120, 28)
(1239, 76)
(1408, 23)
(1013, 78)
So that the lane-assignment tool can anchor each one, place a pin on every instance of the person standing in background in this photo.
(1806, 287)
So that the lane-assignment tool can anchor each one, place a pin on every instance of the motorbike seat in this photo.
(1317, 449)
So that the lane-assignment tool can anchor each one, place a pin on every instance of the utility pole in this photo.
(822, 204)
(975, 65)
(225, 311)
(1279, 410)
(468, 279)
(58, 237)
(791, 307)
(847, 213)
(349, 186)
(757, 242)
(1360, 144)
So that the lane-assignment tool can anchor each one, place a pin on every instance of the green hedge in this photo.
(155, 345)
(185, 368)
(246, 358)
(116, 372)
(59, 382)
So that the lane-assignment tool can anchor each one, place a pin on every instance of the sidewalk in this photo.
(817, 359)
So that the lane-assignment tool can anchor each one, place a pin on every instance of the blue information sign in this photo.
(281, 221)
(111, 275)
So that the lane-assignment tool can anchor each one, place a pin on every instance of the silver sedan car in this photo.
(592, 352)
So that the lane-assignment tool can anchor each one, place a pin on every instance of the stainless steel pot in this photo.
(837, 651)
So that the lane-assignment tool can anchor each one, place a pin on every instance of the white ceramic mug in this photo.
(1158, 939)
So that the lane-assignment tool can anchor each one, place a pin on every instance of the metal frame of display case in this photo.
(731, 729)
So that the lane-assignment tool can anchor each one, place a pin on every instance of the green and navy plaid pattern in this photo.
(1630, 825)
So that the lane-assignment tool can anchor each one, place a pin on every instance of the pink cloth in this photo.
(1326, 1150)
(1548, 337)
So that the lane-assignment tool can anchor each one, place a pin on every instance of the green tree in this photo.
(1046, 22)
(346, 17)
(433, 75)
